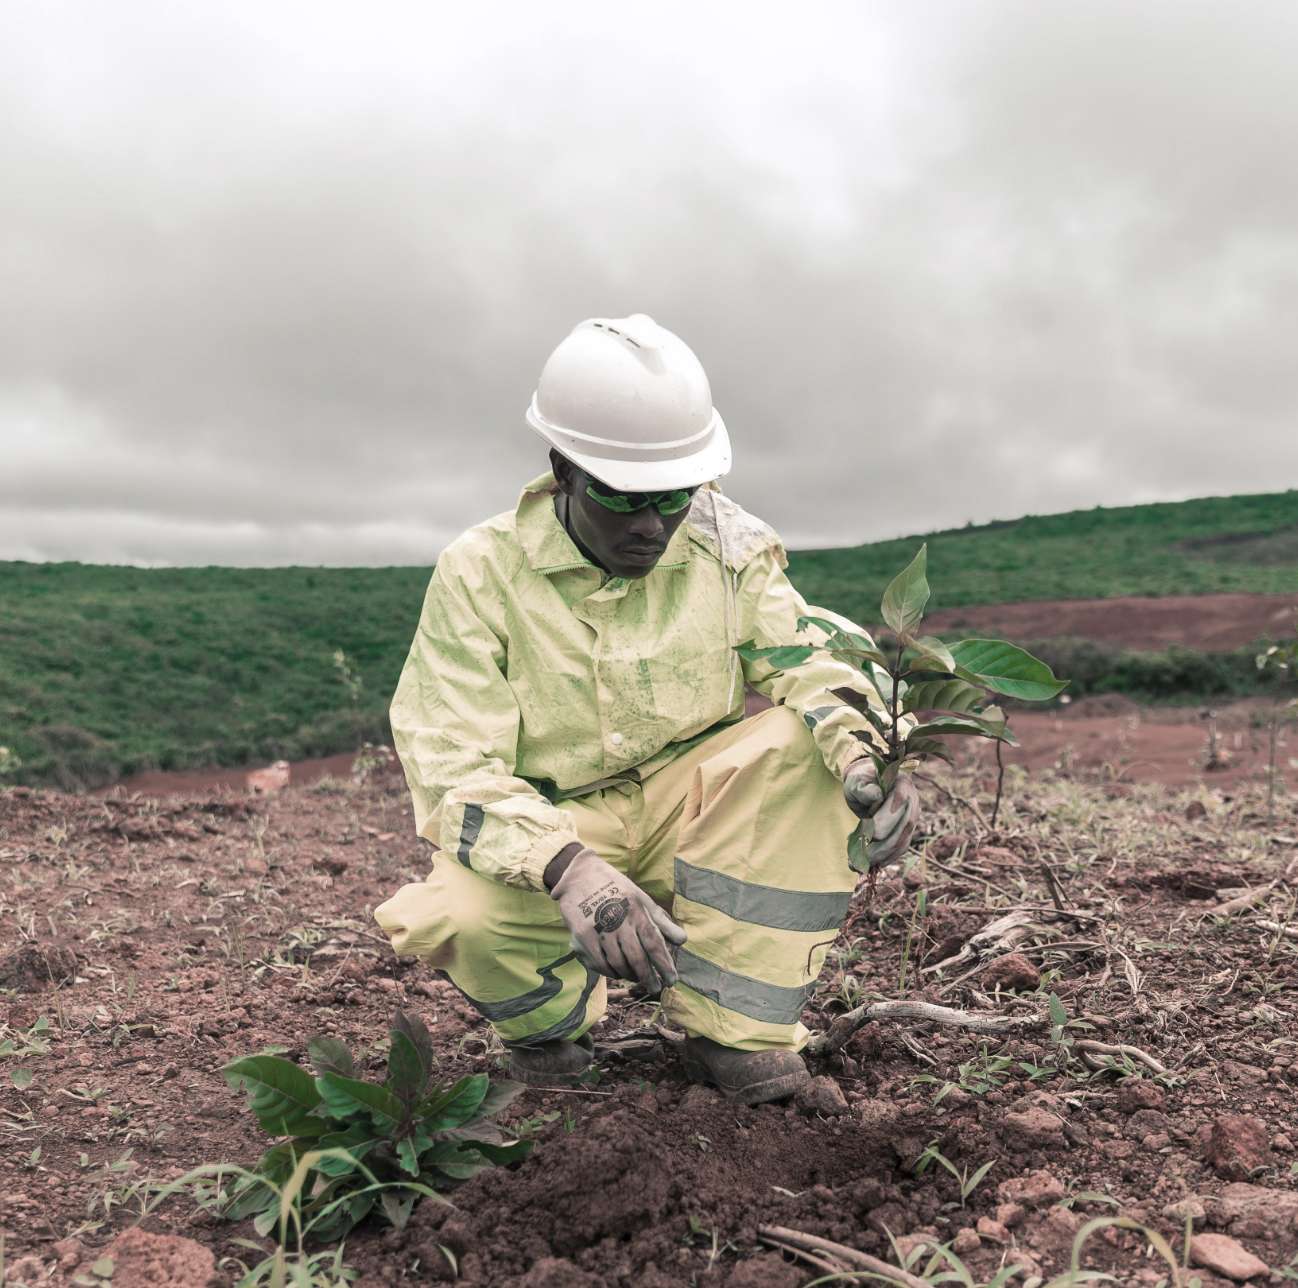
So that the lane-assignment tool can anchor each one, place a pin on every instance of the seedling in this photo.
(355, 1146)
(922, 692)
(1280, 660)
(968, 1181)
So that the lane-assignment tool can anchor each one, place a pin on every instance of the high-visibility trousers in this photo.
(742, 840)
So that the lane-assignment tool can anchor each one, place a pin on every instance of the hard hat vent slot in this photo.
(612, 330)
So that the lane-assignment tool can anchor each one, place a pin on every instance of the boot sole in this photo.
(535, 1078)
(752, 1093)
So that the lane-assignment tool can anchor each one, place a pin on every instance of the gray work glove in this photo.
(894, 818)
(616, 928)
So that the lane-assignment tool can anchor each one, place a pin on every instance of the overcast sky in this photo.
(277, 280)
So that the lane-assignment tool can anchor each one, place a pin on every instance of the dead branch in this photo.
(1239, 903)
(850, 1258)
(844, 1026)
(1002, 935)
(1278, 928)
(1119, 1049)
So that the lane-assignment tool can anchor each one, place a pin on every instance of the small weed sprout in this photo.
(968, 1181)
(922, 692)
(1281, 661)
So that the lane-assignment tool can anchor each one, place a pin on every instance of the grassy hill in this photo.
(106, 670)
(1247, 543)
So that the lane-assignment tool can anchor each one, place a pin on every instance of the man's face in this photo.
(624, 544)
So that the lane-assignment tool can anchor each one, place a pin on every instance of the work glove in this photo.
(894, 817)
(616, 928)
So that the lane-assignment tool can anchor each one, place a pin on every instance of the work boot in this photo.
(751, 1077)
(557, 1062)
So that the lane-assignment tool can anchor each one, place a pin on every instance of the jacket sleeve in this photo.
(769, 608)
(455, 723)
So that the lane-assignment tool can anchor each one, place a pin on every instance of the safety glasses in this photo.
(629, 502)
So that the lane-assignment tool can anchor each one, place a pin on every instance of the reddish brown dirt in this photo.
(1109, 737)
(209, 925)
(157, 782)
(1212, 622)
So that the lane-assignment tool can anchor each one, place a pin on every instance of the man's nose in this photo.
(647, 525)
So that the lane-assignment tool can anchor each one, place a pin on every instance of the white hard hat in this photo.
(628, 402)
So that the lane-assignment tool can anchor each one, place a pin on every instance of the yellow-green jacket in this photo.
(534, 675)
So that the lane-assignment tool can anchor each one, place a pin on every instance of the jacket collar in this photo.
(550, 549)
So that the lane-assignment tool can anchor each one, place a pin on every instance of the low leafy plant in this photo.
(354, 1146)
(944, 690)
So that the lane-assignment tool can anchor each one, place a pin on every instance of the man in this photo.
(570, 720)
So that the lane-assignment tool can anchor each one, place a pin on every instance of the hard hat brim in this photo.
(710, 462)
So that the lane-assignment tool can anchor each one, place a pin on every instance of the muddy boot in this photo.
(751, 1077)
(554, 1063)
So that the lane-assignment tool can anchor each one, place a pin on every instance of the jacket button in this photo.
(615, 739)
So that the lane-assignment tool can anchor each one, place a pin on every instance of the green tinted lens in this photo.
(630, 502)
(619, 502)
(672, 502)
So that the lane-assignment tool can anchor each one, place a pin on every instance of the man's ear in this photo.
(563, 470)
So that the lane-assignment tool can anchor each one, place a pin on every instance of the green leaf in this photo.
(861, 702)
(455, 1160)
(357, 1141)
(858, 844)
(841, 640)
(456, 1105)
(906, 596)
(21, 1078)
(966, 725)
(329, 1055)
(407, 1072)
(499, 1096)
(779, 656)
(396, 1209)
(944, 695)
(1005, 668)
(513, 1152)
(408, 1156)
(345, 1097)
(104, 1267)
(416, 1031)
(929, 747)
(280, 1095)
(1058, 1015)
(928, 648)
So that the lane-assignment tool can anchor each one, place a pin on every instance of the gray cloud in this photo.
(278, 284)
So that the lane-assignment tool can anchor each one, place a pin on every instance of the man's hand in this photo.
(894, 818)
(616, 928)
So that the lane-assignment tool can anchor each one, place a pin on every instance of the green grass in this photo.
(108, 670)
(1247, 543)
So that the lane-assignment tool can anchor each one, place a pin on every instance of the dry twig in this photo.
(849, 1258)
(844, 1026)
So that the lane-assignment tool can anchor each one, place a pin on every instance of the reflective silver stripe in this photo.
(768, 1002)
(762, 905)
(550, 987)
(469, 831)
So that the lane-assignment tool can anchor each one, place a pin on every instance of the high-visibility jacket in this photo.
(535, 676)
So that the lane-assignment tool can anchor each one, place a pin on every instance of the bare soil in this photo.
(1210, 622)
(158, 937)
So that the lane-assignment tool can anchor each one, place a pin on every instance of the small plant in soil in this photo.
(921, 690)
(352, 1146)
(1281, 661)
